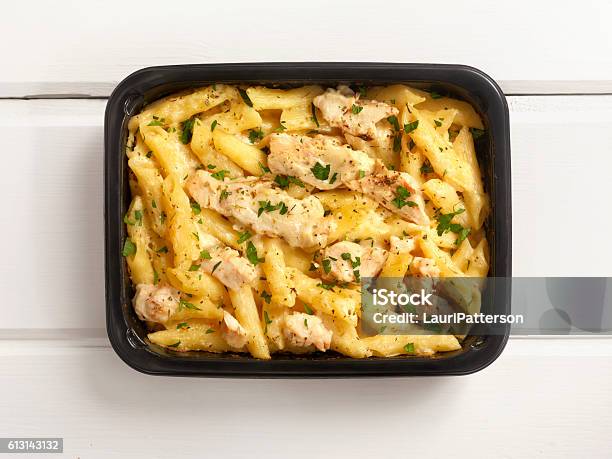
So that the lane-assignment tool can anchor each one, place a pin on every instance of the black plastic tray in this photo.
(128, 335)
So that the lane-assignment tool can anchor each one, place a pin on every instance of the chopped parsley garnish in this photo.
(255, 135)
(213, 125)
(438, 123)
(401, 195)
(326, 265)
(326, 286)
(177, 344)
(224, 194)
(356, 109)
(305, 322)
(242, 237)
(313, 110)
(129, 248)
(409, 348)
(194, 267)
(409, 127)
(216, 266)
(155, 123)
(251, 253)
(154, 204)
(445, 224)
(245, 97)
(393, 122)
(436, 95)
(209, 331)
(346, 256)
(182, 325)
(362, 91)
(281, 127)
(187, 133)
(195, 207)
(285, 180)
(163, 249)
(361, 174)
(220, 175)
(267, 206)
(266, 296)
(426, 168)
(264, 169)
(477, 133)
(155, 277)
(321, 172)
(267, 321)
(333, 178)
(397, 143)
(187, 305)
(205, 255)
(308, 309)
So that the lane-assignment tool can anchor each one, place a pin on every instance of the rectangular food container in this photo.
(128, 335)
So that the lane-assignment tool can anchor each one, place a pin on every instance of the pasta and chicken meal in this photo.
(257, 211)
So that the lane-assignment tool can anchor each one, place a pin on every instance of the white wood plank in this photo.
(532, 402)
(87, 47)
(53, 197)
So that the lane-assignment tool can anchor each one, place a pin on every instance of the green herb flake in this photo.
(263, 168)
(308, 309)
(409, 127)
(438, 123)
(313, 110)
(182, 325)
(245, 97)
(361, 174)
(401, 195)
(129, 248)
(409, 348)
(266, 297)
(242, 237)
(426, 168)
(220, 175)
(255, 135)
(393, 122)
(251, 253)
(195, 207)
(188, 305)
(326, 265)
(187, 132)
(213, 125)
(163, 249)
(356, 109)
(397, 143)
(177, 344)
(436, 95)
(205, 255)
(321, 172)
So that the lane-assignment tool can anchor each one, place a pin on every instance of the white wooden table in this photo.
(544, 397)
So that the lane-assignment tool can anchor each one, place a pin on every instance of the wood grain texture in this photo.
(525, 405)
(53, 196)
(87, 47)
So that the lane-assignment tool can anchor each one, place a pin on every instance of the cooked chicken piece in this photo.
(304, 330)
(399, 245)
(225, 263)
(320, 161)
(234, 334)
(349, 262)
(155, 303)
(424, 267)
(257, 203)
(394, 190)
(341, 108)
